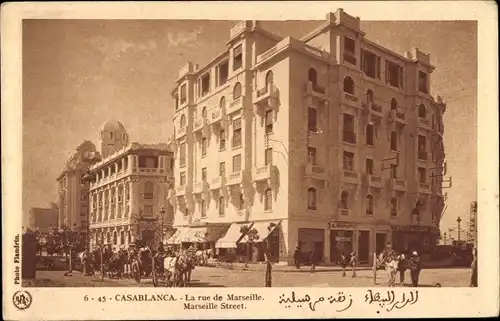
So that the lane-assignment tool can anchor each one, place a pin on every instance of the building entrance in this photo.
(340, 242)
(380, 240)
(364, 247)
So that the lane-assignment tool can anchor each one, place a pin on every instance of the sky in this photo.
(79, 73)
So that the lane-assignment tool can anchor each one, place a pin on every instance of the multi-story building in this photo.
(128, 191)
(43, 220)
(73, 190)
(330, 142)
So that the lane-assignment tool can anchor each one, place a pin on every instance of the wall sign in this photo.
(341, 226)
(412, 229)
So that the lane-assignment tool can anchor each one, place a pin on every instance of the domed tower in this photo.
(112, 137)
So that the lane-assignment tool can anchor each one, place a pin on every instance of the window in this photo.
(222, 103)
(369, 96)
(204, 112)
(203, 208)
(369, 134)
(111, 135)
(241, 203)
(369, 205)
(394, 74)
(237, 91)
(312, 120)
(148, 210)
(311, 155)
(182, 122)
(269, 121)
(237, 57)
(422, 175)
(350, 50)
(422, 113)
(313, 76)
(269, 156)
(394, 141)
(203, 146)
(422, 82)
(205, 84)
(268, 200)
(148, 162)
(183, 94)
(222, 141)
(311, 198)
(422, 147)
(120, 194)
(370, 64)
(122, 237)
(344, 200)
(223, 70)
(236, 163)
(204, 174)
(127, 192)
(236, 132)
(148, 190)
(348, 161)
(369, 166)
(348, 129)
(182, 154)
(349, 85)
(394, 207)
(269, 78)
(221, 206)
(182, 180)
(222, 169)
(176, 101)
(394, 171)
(394, 104)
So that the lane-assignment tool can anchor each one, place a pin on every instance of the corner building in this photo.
(300, 139)
(129, 190)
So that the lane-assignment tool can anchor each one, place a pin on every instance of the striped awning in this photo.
(264, 228)
(232, 236)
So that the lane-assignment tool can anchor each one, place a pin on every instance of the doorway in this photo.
(380, 240)
(364, 247)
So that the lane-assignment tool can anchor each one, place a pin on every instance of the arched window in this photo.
(369, 205)
(313, 76)
(349, 85)
(394, 104)
(421, 111)
(221, 206)
(183, 121)
(204, 112)
(394, 206)
(269, 77)
(237, 91)
(148, 190)
(222, 103)
(311, 198)
(268, 200)
(369, 96)
(344, 200)
(111, 135)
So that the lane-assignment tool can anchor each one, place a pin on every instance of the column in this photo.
(132, 202)
(116, 167)
(123, 163)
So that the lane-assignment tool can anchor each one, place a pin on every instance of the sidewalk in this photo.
(290, 268)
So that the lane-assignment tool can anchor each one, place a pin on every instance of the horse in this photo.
(115, 264)
(391, 266)
(186, 264)
(202, 256)
(173, 275)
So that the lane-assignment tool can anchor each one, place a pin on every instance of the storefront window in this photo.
(341, 241)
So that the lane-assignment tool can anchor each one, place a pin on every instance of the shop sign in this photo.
(412, 229)
(343, 238)
(341, 226)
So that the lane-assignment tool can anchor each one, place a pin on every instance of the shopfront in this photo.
(341, 239)
(310, 239)
(263, 231)
(363, 247)
(414, 237)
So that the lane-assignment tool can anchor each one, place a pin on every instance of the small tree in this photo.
(253, 237)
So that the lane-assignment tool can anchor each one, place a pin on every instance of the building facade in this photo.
(128, 190)
(73, 190)
(43, 220)
(330, 142)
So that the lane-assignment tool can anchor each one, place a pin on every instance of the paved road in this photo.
(222, 277)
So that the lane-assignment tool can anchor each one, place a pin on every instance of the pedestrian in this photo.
(414, 265)
(296, 257)
(352, 263)
(473, 277)
(344, 261)
(312, 259)
(388, 259)
(269, 269)
(402, 265)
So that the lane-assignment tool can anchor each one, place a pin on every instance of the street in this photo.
(237, 277)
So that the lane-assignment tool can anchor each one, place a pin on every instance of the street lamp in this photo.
(458, 222)
(162, 215)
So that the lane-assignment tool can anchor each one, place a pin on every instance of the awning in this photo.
(264, 228)
(232, 236)
(179, 234)
(195, 235)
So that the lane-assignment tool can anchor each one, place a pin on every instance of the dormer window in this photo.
(394, 74)
(350, 50)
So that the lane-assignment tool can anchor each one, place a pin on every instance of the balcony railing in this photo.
(235, 178)
(151, 170)
(422, 155)
(423, 122)
(349, 137)
(200, 187)
(316, 171)
(350, 57)
(181, 190)
(377, 108)
(351, 97)
(263, 173)
(235, 105)
(218, 182)
(350, 174)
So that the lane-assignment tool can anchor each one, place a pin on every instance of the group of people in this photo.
(345, 260)
(395, 263)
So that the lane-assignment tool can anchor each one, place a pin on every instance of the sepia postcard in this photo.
(279, 159)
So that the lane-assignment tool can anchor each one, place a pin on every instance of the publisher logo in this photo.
(22, 300)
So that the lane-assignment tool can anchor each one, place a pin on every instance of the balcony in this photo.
(350, 57)
(372, 109)
(424, 188)
(422, 156)
(151, 171)
(266, 97)
(181, 132)
(397, 117)
(235, 105)
(349, 137)
(181, 190)
(351, 100)
(200, 187)
(235, 178)
(200, 123)
(372, 181)
(263, 173)
(218, 117)
(315, 91)
(315, 171)
(423, 123)
(350, 176)
(396, 184)
(218, 182)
